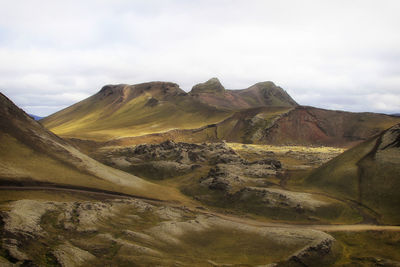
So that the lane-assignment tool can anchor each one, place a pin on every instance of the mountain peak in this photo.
(213, 85)
(271, 93)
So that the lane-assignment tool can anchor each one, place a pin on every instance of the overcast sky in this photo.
(332, 54)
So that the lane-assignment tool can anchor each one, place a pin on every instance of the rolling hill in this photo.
(369, 173)
(30, 155)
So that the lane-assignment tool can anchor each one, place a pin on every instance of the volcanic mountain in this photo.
(157, 111)
(30, 155)
(369, 173)
(134, 110)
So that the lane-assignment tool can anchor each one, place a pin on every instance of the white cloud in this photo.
(333, 54)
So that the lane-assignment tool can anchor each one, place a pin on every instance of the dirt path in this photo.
(325, 228)
(81, 190)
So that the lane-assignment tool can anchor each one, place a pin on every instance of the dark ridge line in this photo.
(317, 123)
(395, 143)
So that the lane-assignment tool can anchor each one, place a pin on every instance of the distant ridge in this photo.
(36, 118)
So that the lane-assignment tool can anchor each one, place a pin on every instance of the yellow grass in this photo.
(285, 149)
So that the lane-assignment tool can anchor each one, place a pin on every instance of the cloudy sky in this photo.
(336, 54)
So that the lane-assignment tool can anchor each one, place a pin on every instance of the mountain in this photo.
(36, 118)
(369, 173)
(30, 155)
(262, 114)
(134, 110)
(129, 110)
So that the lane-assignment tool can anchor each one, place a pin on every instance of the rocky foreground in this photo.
(129, 231)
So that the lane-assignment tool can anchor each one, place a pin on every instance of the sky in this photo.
(334, 54)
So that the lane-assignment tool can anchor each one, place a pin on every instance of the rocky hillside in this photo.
(368, 173)
(216, 175)
(131, 232)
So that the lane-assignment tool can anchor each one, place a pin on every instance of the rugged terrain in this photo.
(60, 207)
(185, 197)
(127, 231)
(218, 176)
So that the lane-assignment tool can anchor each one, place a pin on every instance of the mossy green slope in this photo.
(368, 173)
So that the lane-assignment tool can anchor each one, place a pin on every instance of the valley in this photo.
(150, 175)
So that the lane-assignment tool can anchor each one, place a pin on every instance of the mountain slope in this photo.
(131, 110)
(368, 173)
(31, 155)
